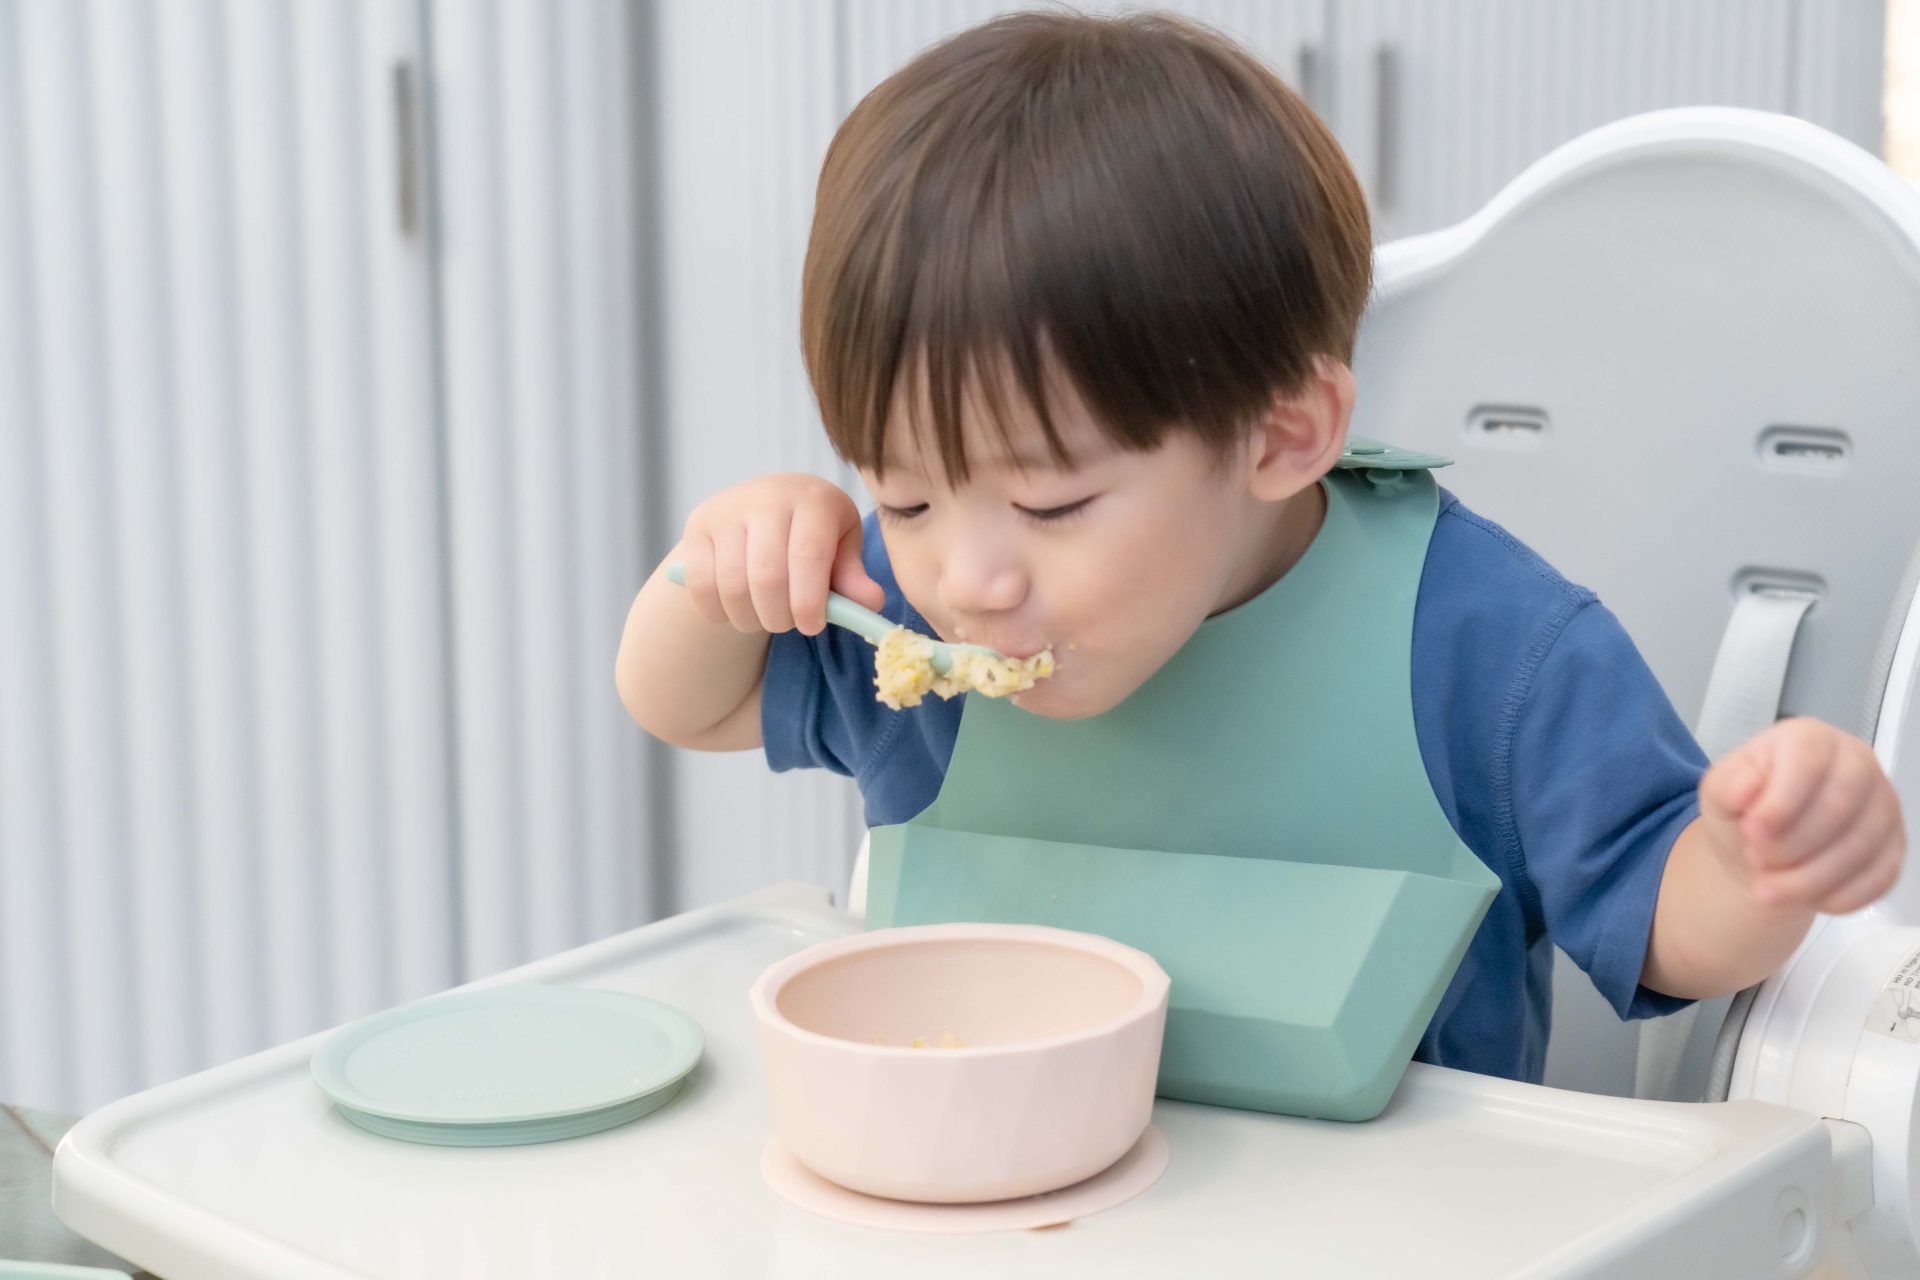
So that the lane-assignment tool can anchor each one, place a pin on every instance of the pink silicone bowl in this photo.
(1061, 1034)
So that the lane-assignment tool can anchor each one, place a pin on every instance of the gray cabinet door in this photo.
(1840, 70)
(1440, 105)
(223, 765)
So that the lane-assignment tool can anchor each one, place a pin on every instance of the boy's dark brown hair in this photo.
(1135, 203)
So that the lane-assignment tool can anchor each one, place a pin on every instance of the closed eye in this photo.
(900, 515)
(1047, 515)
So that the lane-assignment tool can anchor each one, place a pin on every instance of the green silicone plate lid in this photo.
(508, 1055)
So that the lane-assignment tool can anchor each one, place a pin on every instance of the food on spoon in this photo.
(903, 668)
(993, 675)
(903, 671)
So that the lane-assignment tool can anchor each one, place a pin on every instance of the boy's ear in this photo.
(1300, 436)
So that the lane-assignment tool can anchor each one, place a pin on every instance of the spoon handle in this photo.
(841, 612)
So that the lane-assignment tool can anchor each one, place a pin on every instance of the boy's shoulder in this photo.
(1485, 574)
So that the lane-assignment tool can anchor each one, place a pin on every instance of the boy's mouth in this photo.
(1009, 648)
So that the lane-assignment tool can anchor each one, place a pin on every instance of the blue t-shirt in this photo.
(1551, 747)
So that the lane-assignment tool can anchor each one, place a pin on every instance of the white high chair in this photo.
(1680, 357)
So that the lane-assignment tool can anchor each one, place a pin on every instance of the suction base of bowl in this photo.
(1126, 1178)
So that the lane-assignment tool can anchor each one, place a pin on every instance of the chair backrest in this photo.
(1679, 357)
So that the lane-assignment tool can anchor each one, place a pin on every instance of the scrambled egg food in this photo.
(903, 671)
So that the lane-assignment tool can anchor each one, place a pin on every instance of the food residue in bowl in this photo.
(904, 675)
(948, 1040)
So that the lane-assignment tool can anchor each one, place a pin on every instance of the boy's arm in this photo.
(760, 558)
(685, 680)
(1710, 935)
(1797, 821)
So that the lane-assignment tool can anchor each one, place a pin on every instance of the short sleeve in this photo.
(802, 723)
(818, 710)
(1603, 778)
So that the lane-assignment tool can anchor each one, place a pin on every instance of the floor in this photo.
(28, 1230)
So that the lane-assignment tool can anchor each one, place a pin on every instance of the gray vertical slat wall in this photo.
(747, 97)
(86, 917)
(1832, 40)
(271, 312)
(540, 315)
(201, 422)
(33, 930)
(141, 386)
(27, 871)
(612, 492)
(224, 782)
(306, 704)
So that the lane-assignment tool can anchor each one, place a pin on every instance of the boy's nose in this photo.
(972, 589)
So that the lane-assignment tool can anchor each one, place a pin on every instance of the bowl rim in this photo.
(1154, 983)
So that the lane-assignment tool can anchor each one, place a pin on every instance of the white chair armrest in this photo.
(857, 888)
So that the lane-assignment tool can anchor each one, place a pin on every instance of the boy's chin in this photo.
(1052, 701)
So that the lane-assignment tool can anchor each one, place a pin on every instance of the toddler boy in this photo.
(1079, 303)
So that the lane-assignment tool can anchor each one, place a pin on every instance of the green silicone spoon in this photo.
(842, 612)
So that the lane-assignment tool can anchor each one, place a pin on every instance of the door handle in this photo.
(406, 148)
(1386, 125)
(1306, 73)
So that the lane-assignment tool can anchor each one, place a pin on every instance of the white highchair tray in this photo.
(244, 1170)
